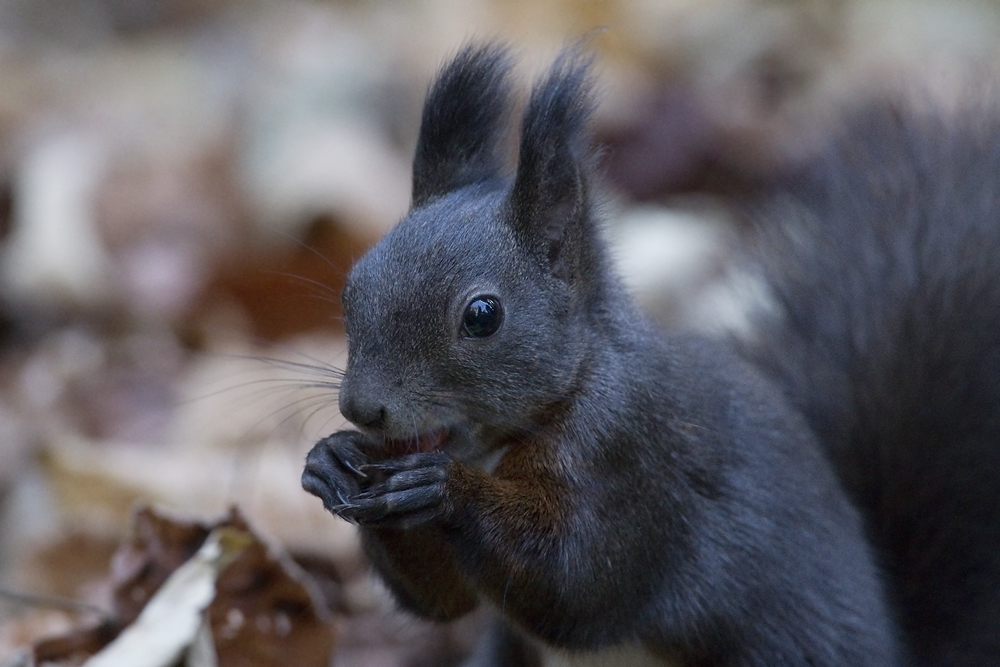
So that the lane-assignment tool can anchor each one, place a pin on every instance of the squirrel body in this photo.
(526, 440)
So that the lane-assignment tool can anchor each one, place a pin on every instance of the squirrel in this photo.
(822, 493)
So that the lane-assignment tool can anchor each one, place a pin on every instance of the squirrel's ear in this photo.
(463, 116)
(550, 189)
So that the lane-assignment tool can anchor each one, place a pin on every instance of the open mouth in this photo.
(433, 441)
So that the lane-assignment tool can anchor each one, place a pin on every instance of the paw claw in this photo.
(370, 468)
(343, 507)
(357, 470)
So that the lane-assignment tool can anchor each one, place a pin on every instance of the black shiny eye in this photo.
(483, 317)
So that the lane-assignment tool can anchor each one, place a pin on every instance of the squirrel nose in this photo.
(369, 414)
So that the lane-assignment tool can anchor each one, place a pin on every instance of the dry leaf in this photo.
(168, 624)
(172, 576)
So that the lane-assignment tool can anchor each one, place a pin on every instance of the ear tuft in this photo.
(463, 116)
(550, 189)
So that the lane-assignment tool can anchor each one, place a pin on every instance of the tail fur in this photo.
(883, 256)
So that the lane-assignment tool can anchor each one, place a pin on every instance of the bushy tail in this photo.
(883, 256)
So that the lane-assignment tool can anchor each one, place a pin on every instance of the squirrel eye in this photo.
(483, 317)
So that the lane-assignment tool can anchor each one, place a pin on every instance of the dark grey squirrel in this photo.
(827, 493)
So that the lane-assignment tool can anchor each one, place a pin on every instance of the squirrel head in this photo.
(470, 323)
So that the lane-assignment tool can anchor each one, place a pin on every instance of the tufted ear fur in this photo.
(549, 198)
(460, 131)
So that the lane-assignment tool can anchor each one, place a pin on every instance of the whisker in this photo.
(331, 296)
(316, 366)
(302, 244)
(414, 445)
(266, 387)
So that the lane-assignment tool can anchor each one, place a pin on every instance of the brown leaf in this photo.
(75, 646)
(265, 611)
(157, 545)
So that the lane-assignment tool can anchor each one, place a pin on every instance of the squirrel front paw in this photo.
(404, 492)
(333, 469)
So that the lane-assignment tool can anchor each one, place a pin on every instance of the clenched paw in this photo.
(333, 469)
(403, 492)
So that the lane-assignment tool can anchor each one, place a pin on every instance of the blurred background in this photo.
(184, 183)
